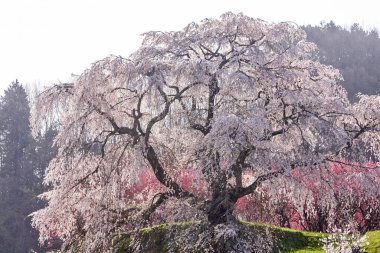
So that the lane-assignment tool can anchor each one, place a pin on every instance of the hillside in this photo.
(157, 239)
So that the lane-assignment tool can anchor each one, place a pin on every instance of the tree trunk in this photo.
(221, 209)
(220, 216)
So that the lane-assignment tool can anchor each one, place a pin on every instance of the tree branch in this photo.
(162, 197)
(213, 91)
(237, 167)
(241, 192)
(162, 176)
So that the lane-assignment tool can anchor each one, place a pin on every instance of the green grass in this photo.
(154, 239)
(374, 242)
(291, 240)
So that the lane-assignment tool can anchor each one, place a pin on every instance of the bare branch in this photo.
(241, 192)
(162, 176)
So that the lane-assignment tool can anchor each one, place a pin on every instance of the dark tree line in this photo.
(355, 52)
(22, 164)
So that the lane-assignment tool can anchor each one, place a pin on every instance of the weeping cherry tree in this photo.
(237, 101)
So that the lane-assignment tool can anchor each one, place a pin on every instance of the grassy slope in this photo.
(291, 240)
(374, 242)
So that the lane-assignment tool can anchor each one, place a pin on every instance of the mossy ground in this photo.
(374, 242)
(290, 240)
(153, 239)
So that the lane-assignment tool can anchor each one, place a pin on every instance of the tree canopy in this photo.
(239, 102)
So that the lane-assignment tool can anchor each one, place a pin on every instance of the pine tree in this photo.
(19, 182)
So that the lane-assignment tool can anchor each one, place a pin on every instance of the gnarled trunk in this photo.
(220, 209)
(220, 216)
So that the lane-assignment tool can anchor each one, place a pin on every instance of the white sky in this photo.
(44, 41)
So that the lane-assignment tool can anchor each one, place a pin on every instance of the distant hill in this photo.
(355, 52)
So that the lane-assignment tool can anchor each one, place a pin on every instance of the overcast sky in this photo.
(45, 41)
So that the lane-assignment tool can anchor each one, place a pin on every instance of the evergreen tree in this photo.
(355, 52)
(19, 182)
